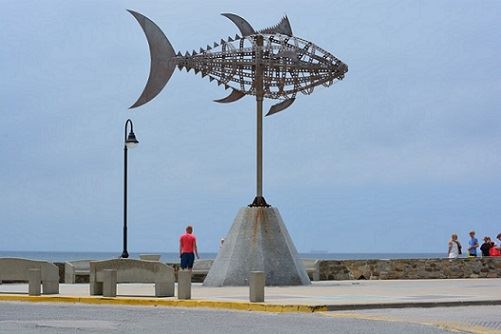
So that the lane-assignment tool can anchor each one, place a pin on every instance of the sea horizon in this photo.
(63, 256)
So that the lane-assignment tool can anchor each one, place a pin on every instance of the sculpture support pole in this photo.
(258, 82)
(259, 147)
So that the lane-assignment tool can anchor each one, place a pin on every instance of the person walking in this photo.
(454, 247)
(473, 245)
(188, 249)
(486, 246)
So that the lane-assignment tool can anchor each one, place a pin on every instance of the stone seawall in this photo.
(488, 267)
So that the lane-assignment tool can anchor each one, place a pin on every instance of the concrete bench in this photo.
(200, 270)
(201, 266)
(149, 257)
(132, 271)
(17, 269)
(72, 269)
(312, 268)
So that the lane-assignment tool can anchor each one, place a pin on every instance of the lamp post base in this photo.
(259, 201)
(124, 255)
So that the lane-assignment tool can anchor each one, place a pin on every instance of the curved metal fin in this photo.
(161, 53)
(244, 26)
(280, 106)
(282, 27)
(235, 95)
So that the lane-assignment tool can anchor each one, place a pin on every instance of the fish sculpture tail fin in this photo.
(162, 59)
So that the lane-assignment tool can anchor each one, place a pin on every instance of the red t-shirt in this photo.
(187, 242)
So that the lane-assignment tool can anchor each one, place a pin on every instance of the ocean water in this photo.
(174, 257)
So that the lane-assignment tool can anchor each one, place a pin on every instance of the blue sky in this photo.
(402, 153)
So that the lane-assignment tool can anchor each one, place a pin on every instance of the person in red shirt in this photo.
(188, 248)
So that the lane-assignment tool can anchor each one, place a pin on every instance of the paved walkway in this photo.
(320, 296)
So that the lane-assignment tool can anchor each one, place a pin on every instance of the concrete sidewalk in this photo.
(320, 296)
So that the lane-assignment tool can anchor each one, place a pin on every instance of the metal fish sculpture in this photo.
(270, 63)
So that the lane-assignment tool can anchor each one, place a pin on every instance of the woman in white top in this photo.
(454, 247)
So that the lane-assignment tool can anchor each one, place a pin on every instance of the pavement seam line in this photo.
(451, 326)
(382, 318)
(475, 329)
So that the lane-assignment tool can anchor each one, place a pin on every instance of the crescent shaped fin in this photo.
(244, 26)
(280, 106)
(282, 27)
(235, 95)
(161, 54)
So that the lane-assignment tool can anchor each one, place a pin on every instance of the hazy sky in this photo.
(396, 157)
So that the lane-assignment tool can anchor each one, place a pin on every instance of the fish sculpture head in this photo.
(289, 64)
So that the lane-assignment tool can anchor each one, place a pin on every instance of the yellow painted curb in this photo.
(167, 302)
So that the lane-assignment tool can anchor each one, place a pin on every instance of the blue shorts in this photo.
(187, 260)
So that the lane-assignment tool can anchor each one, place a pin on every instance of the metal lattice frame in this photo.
(291, 65)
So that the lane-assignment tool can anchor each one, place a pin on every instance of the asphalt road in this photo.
(74, 318)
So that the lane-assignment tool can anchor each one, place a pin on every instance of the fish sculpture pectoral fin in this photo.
(244, 26)
(280, 106)
(161, 53)
(235, 95)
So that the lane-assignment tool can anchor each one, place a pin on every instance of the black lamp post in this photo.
(130, 141)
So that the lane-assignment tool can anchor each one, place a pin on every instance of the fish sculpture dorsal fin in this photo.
(282, 27)
(244, 26)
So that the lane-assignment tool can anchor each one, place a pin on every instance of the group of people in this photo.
(488, 248)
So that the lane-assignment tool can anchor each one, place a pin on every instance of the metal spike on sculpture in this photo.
(268, 63)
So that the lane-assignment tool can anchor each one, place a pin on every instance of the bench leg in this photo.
(50, 287)
(109, 283)
(34, 282)
(69, 278)
(96, 288)
(164, 289)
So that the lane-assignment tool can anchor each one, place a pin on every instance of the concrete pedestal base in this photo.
(258, 241)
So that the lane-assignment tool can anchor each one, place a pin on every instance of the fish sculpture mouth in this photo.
(291, 65)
